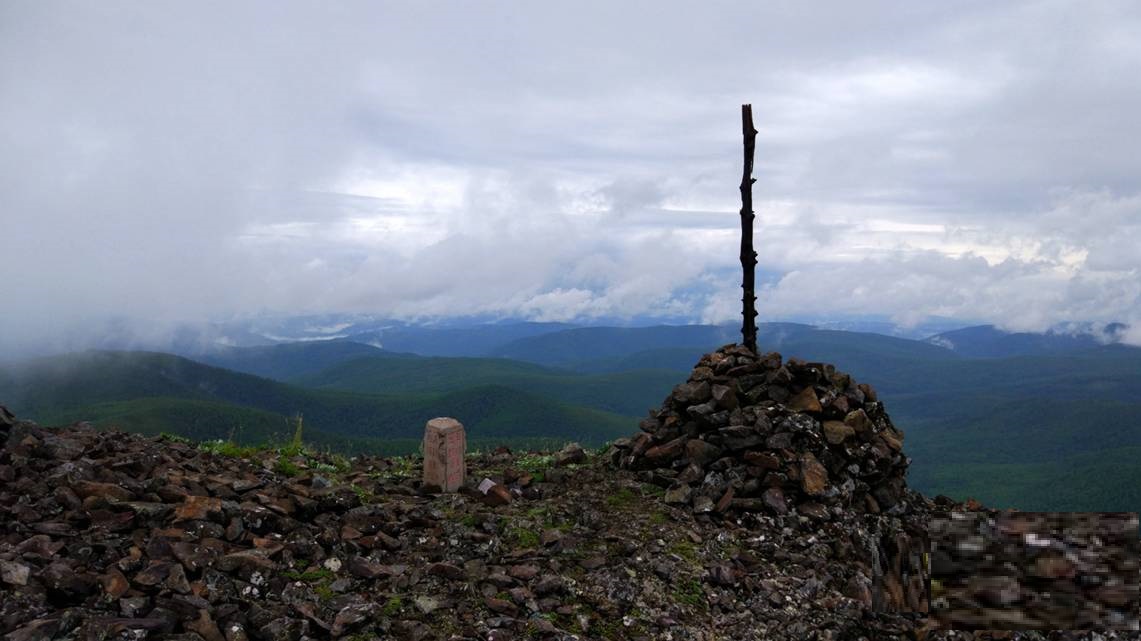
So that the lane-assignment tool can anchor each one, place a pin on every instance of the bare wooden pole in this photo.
(748, 256)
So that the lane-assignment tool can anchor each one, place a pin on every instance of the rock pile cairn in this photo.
(759, 433)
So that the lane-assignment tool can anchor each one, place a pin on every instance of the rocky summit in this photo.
(755, 433)
(740, 512)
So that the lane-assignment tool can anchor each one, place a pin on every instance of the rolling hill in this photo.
(288, 361)
(987, 341)
(150, 392)
(610, 349)
(480, 339)
(629, 393)
(569, 347)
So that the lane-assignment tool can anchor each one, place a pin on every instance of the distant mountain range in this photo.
(987, 341)
(1035, 421)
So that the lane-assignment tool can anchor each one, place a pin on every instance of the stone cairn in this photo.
(761, 434)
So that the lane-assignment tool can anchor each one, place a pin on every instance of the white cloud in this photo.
(169, 161)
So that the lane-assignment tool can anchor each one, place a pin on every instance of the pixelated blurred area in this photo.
(1034, 570)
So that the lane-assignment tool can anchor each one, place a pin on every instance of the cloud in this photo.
(168, 162)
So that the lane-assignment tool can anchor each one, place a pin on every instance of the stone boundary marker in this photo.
(445, 442)
(1034, 570)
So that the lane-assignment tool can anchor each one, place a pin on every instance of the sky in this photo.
(169, 161)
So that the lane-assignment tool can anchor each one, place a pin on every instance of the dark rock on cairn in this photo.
(798, 442)
(753, 433)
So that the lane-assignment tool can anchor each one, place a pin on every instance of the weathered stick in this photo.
(748, 256)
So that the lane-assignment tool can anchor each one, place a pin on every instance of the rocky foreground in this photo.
(107, 535)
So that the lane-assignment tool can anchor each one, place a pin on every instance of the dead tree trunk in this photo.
(748, 256)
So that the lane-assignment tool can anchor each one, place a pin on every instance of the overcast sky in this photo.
(567, 160)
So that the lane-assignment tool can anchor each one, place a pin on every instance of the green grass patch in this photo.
(364, 495)
(221, 447)
(684, 548)
(309, 576)
(392, 607)
(532, 463)
(690, 592)
(622, 498)
(524, 537)
(324, 592)
(286, 467)
(167, 437)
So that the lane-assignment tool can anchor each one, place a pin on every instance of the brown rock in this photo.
(523, 572)
(774, 499)
(814, 478)
(501, 606)
(858, 420)
(550, 584)
(448, 571)
(678, 495)
(14, 573)
(1117, 596)
(154, 574)
(176, 580)
(701, 373)
(764, 460)
(740, 437)
(571, 454)
(108, 491)
(701, 453)
(805, 401)
(351, 617)
(199, 508)
(1054, 567)
(194, 556)
(666, 451)
(496, 495)
(149, 509)
(363, 568)
(722, 574)
(995, 590)
(115, 585)
(841, 406)
(893, 439)
(205, 627)
(836, 432)
(814, 511)
(724, 396)
(869, 392)
(38, 630)
(690, 393)
(725, 501)
(251, 560)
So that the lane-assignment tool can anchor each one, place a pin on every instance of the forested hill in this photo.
(1056, 428)
(151, 392)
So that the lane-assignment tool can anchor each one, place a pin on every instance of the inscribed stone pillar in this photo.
(444, 444)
